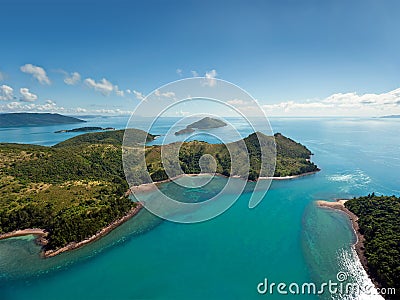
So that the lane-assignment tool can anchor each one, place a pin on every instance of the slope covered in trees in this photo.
(77, 187)
(379, 222)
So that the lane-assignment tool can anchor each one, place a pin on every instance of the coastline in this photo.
(359, 244)
(146, 187)
(42, 234)
(75, 245)
(30, 231)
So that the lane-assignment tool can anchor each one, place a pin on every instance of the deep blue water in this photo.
(285, 238)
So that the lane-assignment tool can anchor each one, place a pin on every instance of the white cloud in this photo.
(37, 72)
(341, 104)
(237, 102)
(118, 92)
(194, 73)
(104, 86)
(73, 78)
(210, 78)
(48, 106)
(138, 95)
(179, 72)
(165, 94)
(6, 92)
(27, 96)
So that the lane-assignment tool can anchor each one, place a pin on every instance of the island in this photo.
(391, 117)
(75, 192)
(85, 129)
(35, 119)
(203, 124)
(376, 221)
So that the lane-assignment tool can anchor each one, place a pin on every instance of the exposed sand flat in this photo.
(34, 231)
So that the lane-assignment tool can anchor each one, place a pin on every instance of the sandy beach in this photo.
(34, 231)
(146, 187)
(359, 245)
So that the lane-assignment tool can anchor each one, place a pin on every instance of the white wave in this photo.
(351, 265)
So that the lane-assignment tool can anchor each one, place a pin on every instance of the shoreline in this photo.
(42, 234)
(106, 230)
(147, 187)
(359, 244)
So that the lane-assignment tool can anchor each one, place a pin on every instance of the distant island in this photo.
(391, 117)
(35, 119)
(376, 222)
(203, 124)
(75, 192)
(84, 129)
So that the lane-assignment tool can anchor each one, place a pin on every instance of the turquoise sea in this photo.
(284, 239)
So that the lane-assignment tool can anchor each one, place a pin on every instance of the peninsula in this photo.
(35, 119)
(75, 192)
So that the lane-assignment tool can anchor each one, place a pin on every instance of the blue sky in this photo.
(294, 57)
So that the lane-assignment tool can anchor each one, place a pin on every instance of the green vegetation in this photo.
(78, 186)
(84, 129)
(205, 123)
(35, 119)
(72, 190)
(291, 158)
(379, 222)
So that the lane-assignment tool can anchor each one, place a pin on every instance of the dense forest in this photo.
(379, 222)
(77, 187)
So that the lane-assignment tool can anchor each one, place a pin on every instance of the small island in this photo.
(391, 117)
(75, 192)
(35, 119)
(85, 129)
(203, 124)
(376, 221)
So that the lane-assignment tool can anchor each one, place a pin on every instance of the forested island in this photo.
(76, 188)
(35, 119)
(203, 124)
(85, 129)
(379, 223)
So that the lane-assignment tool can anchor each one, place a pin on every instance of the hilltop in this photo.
(205, 123)
(35, 119)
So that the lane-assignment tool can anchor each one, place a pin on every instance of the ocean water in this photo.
(284, 239)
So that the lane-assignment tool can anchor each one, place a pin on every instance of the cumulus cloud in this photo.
(26, 95)
(104, 86)
(138, 95)
(48, 106)
(73, 78)
(237, 102)
(37, 72)
(194, 73)
(6, 92)
(210, 78)
(165, 94)
(179, 72)
(346, 103)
